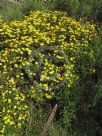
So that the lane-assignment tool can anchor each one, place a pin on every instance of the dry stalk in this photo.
(50, 119)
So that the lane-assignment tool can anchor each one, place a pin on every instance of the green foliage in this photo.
(89, 111)
(17, 11)
(10, 11)
(90, 9)
(58, 130)
(67, 105)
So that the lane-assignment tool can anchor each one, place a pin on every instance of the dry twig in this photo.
(50, 119)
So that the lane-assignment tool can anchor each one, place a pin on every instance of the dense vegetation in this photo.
(51, 57)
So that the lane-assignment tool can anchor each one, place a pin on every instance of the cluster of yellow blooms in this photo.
(38, 55)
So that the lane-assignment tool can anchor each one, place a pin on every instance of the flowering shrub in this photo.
(37, 56)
